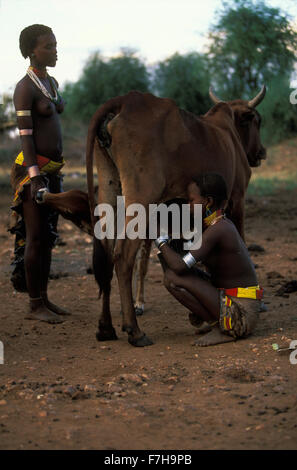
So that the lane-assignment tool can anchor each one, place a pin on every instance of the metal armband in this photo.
(23, 112)
(33, 170)
(189, 260)
(162, 240)
(26, 131)
(39, 198)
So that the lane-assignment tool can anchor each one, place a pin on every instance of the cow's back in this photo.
(161, 144)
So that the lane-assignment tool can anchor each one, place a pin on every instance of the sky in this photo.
(155, 28)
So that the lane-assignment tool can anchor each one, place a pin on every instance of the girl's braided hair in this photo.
(29, 36)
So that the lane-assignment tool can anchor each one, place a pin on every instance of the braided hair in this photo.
(29, 36)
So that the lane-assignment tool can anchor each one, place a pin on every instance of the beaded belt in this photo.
(252, 292)
(45, 164)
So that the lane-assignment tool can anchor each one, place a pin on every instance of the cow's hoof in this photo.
(127, 329)
(106, 335)
(140, 342)
(139, 311)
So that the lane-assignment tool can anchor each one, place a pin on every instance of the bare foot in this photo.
(43, 314)
(204, 328)
(55, 308)
(201, 326)
(195, 320)
(214, 337)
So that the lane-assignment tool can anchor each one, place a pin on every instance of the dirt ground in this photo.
(61, 389)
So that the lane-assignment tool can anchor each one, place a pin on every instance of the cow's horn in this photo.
(257, 100)
(213, 97)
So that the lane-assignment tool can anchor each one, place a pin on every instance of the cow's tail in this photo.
(103, 268)
(111, 106)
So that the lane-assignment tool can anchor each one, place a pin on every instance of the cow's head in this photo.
(247, 122)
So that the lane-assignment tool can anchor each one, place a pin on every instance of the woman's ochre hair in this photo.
(29, 36)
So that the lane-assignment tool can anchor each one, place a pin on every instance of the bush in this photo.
(186, 80)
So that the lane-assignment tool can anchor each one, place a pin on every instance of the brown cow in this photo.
(148, 150)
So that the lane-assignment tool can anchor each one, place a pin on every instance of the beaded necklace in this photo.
(213, 218)
(56, 98)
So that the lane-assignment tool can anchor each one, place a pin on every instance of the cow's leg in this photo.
(72, 205)
(103, 271)
(142, 262)
(108, 190)
(125, 253)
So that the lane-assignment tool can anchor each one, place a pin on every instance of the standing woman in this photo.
(38, 105)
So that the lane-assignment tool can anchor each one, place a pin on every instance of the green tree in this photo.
(9, 145)
(184, 78)
(7, 115)
(103, 79)
(250, 44)
(279, 115)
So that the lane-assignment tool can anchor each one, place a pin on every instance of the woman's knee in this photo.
(33, 247)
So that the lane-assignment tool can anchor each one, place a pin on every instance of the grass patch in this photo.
(267, 186)
(80, 182)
